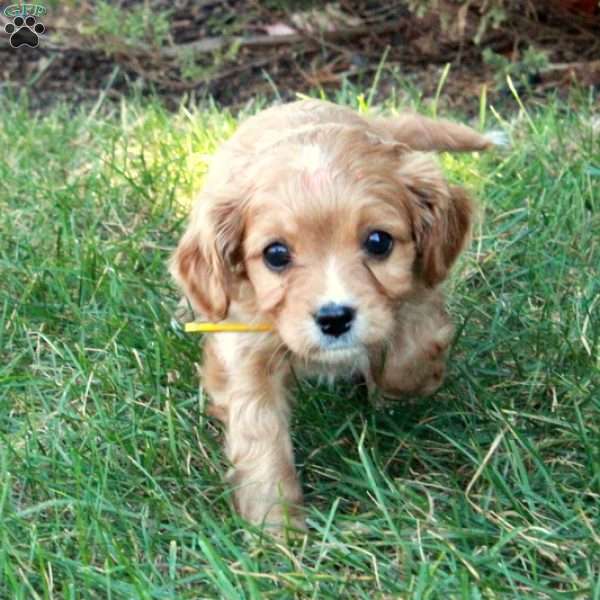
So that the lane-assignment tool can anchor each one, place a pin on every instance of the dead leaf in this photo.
(331, 18)
(279, 29)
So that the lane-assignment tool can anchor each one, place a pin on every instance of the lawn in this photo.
(111, 476)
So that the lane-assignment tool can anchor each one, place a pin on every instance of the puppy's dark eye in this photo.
(378, 244)
(277, 256)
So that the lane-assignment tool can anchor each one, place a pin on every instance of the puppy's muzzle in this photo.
(335, 319)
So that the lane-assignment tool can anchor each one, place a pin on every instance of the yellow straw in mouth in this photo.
(221, 327)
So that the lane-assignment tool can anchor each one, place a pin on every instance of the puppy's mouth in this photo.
(337, 355)
(342, 349)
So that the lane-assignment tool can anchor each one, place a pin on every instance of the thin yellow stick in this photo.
(225, 327)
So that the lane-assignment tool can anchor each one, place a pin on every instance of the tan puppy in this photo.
(337, 229)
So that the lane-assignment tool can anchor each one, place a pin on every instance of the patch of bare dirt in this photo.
(235, 50)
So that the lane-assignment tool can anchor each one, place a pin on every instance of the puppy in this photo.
(337, 230)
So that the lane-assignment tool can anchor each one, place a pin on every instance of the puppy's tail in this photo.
(424, 134)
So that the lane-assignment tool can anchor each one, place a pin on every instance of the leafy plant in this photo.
(133, 26)
(522, 71)
(492, 13)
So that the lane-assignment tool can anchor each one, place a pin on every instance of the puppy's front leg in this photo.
(247, 387)
(260, 449)
(416, 356)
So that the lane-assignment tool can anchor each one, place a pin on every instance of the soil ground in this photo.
(81, 56)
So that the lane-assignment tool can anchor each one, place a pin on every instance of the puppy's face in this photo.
(333, 233)
(328, 248)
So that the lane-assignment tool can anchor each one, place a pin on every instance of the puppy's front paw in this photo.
(419, 373)
(414, 382)
(285, 523)
(276, 506)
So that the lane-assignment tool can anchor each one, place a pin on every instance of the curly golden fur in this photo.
(326, 191)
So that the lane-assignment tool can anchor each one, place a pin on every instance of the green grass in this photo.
(111, 476)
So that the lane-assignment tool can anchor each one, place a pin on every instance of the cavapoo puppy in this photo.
(337, 230)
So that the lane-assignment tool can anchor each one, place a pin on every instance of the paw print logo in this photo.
(24, 32)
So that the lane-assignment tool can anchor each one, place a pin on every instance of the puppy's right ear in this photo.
(200, 273)
(207, 263)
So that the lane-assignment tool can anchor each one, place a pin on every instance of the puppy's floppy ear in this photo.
(421, 133)
(202, 264)
(441, 216)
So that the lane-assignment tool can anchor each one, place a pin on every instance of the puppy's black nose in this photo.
(335, 319)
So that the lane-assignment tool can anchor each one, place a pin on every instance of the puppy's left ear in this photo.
(441, 216)
(420, 133)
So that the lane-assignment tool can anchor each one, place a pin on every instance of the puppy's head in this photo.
(324, 236)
